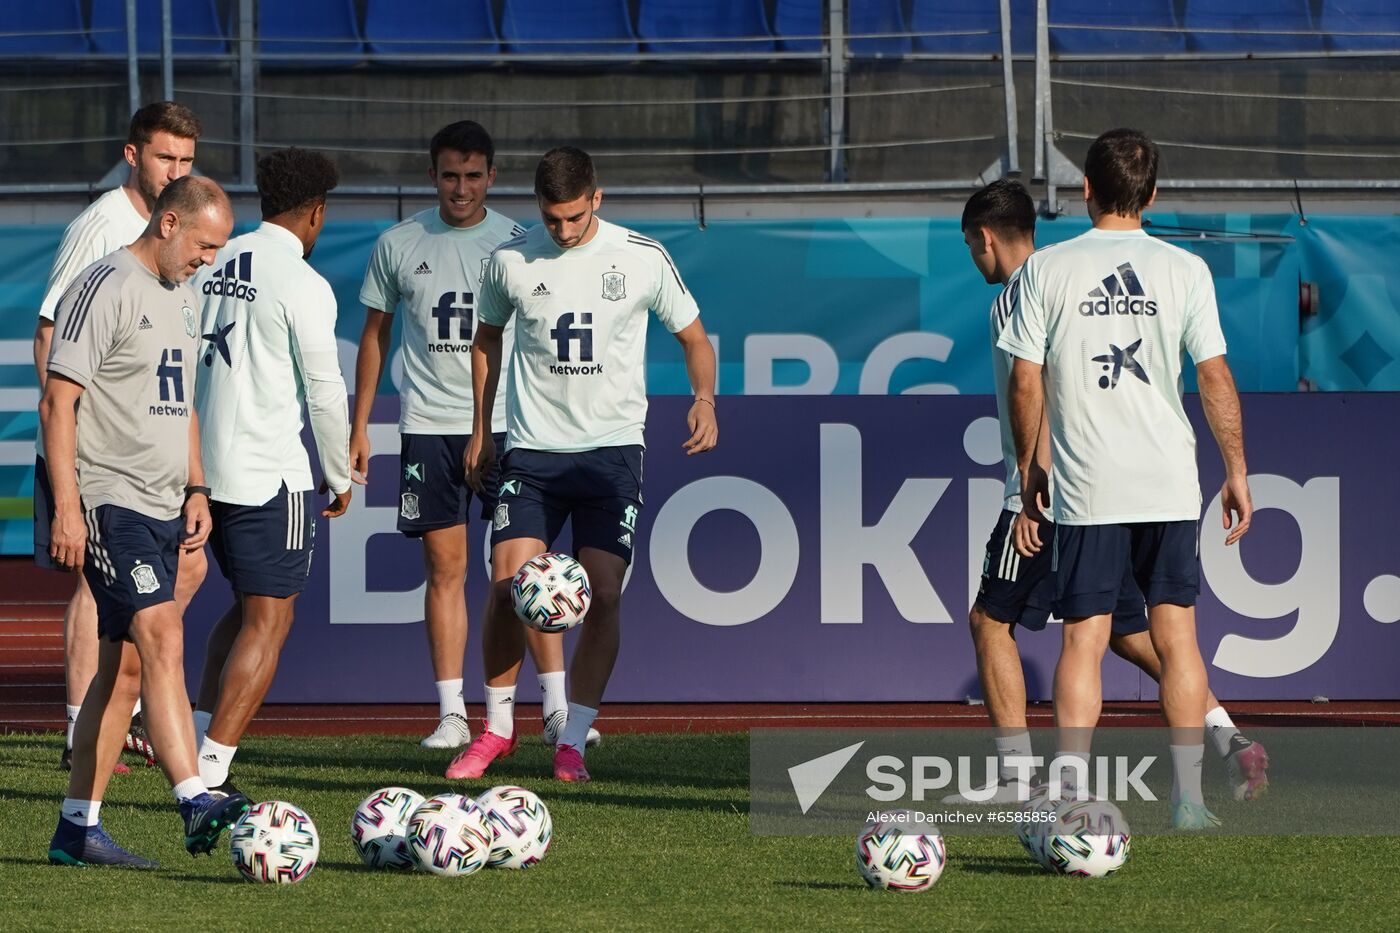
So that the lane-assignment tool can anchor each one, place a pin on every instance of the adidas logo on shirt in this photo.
(540, 291)
(145, 323)
(1120, 293)
(422, 269)
(234, 280)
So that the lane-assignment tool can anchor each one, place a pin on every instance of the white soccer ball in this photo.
(274, 843)
(1035, 819)
(551, 593)
(448, 835)
(1088, 838)
(522, 824)
(898, 853)
(379, 827)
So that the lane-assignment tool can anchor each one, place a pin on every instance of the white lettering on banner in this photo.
(848, 544)
(778, 550)
(984, 504)
(1313, 591)
(900, 348)
(761, 351)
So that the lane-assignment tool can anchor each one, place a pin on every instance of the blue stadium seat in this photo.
(873, 17)
(970, 16)
(708, 22)
(430, 27)
(1248, 17)
(1156, 13)
(310, 28)
(1357, 16)
(799, 18)
(525, 20)
(187, 18)
(56, 16)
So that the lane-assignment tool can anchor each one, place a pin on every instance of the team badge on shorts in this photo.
(614, 286)
(408, 506)
(502, 516)
(144, 575)
(191, 328)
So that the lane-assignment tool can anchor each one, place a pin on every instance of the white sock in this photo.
(136, 710)
(1013, 746)
(450, 698)
(72, 722)
(214, 760)
(189, 788)
(555, 697)
(576, 730)
(1186, 774)
(1069, 779)
(1221, 729)
(500, 710)
(81, 812)
(201, 726)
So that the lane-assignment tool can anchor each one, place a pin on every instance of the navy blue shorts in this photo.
(265, 550)
(600, 490)
(131, 564)
(433, 490)
(1094, 564)
(1021, 590)
(43, 515)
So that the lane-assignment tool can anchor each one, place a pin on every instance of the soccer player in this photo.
(576, 291)
(128, 494)
(159, 148)
(998, 225)
(1104, 319)
(430, 267)
(269, 332)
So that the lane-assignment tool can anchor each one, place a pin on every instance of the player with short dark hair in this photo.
(577, 291)
(129, 493)
(1105, 319)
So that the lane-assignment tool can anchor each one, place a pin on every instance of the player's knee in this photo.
(984, 627)
(445, 576)
(607, 601)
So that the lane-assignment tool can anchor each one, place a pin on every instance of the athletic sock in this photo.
(500, 710)
(81, 812)
(72, 723)
(189, 788)
(576, 730)
(214, 760)
(136, 710)
(552, 687)
(1070, 787)
(450, 698)
(1010, 747)
(1221, 730)
(201, 726)
(1186, 774)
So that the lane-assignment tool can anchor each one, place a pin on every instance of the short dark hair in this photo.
(1003, 206)
(291, 180)
(1122, 171)
(164, 116)
(565, 174)
(464, 136)
(190, 194)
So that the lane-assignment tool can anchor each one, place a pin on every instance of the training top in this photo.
(268, 348)
(1109, 314)
(432, 273)
(1002, 309)
(129, 339)
(578, 372)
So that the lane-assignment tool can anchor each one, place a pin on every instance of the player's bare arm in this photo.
(1027, 397)
(196, 511)
(700, 367)
(1026, 530)
(369, 366)
(486, 374)
(58, 416)
(1221, 402)
(43, 340)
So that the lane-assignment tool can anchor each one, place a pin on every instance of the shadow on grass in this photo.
(998, 865)
(821, 885)
(111, 803)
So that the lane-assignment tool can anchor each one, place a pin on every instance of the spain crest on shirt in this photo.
(614, 286)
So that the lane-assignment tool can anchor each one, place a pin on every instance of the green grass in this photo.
(659, 840)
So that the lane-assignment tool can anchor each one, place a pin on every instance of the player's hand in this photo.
(338, 505)
(1035, 493)
(481, 453)
(359, 456)
(68, 541)
(1234, 498)
(1026, 535)
(198, 523)
(704, 428)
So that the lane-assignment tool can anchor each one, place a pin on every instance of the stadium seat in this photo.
(455, 27)
(61, 16)
(799, 19)
(187, 18)
(707, 22)
(969, 16)
(525, 20)
(877, 17)
(1360, 16)
(1154, 13)
(1248, 17)
(309, 28)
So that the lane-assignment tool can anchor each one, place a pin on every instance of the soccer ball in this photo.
(900, 854)
(448, 835)
(1032, 826)
(275, 843)
(522, 824)
(380, 825)
(551, 593)
(1088, 838)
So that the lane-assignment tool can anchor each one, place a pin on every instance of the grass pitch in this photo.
(658, 841)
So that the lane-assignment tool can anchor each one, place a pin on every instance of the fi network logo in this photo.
(1120, 292)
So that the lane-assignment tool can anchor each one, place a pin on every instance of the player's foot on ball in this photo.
(452, 732)
(554, 728)
(206, 816)
(568, 765)
(225, 789)
(90, 845)
(485, 748)
(1245, 768)
(65, 763)
(1189, 815)
(1006, 791)
(138, 742)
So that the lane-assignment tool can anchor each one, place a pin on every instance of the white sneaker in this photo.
(1009, 791)
(452, 732)
(554, 728)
